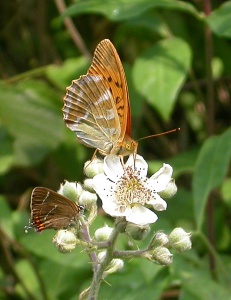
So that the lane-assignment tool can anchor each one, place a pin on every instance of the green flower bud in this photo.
(87, 199)
(121, 224)
(103, 234)
(71, 190)
(101, 256)
(94, 167)
(88, 185)
(160, 255)
(65, 241)
(170, 190)
(180, 240)
(137, 232)
(115, 265)
(161, 239)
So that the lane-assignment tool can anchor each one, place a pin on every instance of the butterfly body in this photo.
(97, 107)
(50, 210)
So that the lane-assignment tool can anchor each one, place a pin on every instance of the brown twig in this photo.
(6, 244)
(77, 39)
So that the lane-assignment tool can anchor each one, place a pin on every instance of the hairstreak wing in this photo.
(50, 210)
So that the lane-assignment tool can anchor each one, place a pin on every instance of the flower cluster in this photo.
(128, 195)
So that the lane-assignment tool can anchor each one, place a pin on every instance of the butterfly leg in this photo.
(93, 156)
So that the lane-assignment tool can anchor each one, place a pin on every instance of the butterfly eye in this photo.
(128, 147)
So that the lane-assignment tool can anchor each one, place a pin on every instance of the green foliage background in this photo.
(176, 56)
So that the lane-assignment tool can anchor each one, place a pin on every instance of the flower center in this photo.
(131, 189)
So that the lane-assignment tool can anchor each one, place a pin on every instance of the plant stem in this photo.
(76, 37)
(210, 121)
(98, 275)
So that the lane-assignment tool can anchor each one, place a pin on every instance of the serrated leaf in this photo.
(125, 9)
(210, 170)
(220, 20)
(160, 72)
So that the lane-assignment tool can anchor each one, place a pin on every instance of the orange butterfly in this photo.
(97, 107)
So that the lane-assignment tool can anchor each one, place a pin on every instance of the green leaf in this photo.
(31, 114)
(125, 9)
(193, 274)
(184, 163)
(133, 289)
(47, 250)
(5, 217)
(6, 151)
(220, 20)
(61, 282)
(160, 72)
(226, 191)
(27, 276)
(210, 170)
(71, 69)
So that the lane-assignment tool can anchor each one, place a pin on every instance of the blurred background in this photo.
(176, 56)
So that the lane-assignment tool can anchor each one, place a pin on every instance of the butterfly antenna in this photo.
(159, 134)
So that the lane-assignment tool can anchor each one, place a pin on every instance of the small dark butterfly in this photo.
(50, 210)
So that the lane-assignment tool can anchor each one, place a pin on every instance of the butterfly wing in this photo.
(106, 63)
(96, 106)
(89, 110)
(50, 210)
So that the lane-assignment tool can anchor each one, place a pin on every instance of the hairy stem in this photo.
(101, 267)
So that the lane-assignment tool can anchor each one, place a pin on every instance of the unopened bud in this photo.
(87, 199)
(170, 190)
(88, 185)
(94, 167)
(65, 241)
(137, 232)
(103, 234)
(114, 266)
(160, 255)
(161, 239)
(101, 256)
(71, 190)
(121, 224)
(180, 240)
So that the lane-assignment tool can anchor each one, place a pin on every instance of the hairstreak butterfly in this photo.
(97, 107)
(50, 210)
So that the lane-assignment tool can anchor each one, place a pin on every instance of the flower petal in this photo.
(141, 215)
(113, 167)
(102, 185)
(158, 203)
(111, 208)
(161, 178)
(140, 164)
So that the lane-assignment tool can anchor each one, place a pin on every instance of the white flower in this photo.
(125, 190)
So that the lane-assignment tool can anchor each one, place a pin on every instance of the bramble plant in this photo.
(176, 57)
(125, 191)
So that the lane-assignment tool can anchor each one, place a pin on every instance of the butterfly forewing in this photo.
(90, 112)
(106, 63)
(96, 106)
(50, 210)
